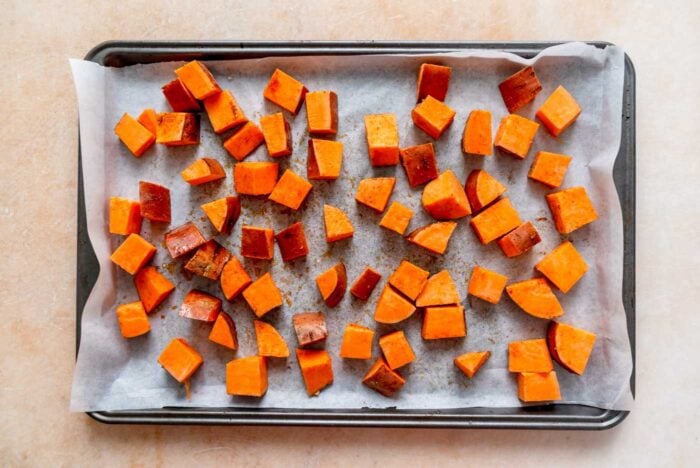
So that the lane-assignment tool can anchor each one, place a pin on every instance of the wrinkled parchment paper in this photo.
(113, 373)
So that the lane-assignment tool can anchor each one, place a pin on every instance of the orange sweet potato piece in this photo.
(223, 332)
(133, 253)
(433, 80)
(337, 224)
(224, 112)
(291, 190)
(177, 129)
(365, 283)
(520, 88)
(154, 201)
(198, 79)
(444, 322)
(202, 171)
(486, 284)
(571, 209)
(383, 379)
(549, 168)
(324, 160)
(409, 279)
(470, 363)
(563, 266)
(209, 260)
(270, 342)
(533, 386)
(535, 297)
(255, 178)
(246, 139)
(124, 216)
(132, 320)
(529, 356)
(332, 284)
(570, 346)
(292, 242)
(375, 192)
(433, 237)
(322, 112)
(179, 98)
(433, 117)
(482, 189)
(263, 295)
(382, 139)
(247, 376)
(223, 213)
(440, 289)
(310, 328)
(357, 342)
(180, 359)
(277, 134)
(559, 111)
(285, 91)
(515, 135)
(199, 305)
(183, 239)
(419, 163)
(316, 369)
(149, 119)
(152, 287)
(476, 138)
(257, 242)
(397, 218)
(234, 279)
(444, 197)
(396, 349)
(392, 307)
(495, 221)
(519, 240)
(134, 135)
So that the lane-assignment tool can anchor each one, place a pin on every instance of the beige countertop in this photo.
(38, 231)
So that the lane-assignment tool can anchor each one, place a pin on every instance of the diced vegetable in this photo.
(183, 239)
(332, 284)
(132, 320)
(559, 111)
(433, 80)
(263, 295)
(534, 387)
(486, 284)
(285, 91)
(292, 242)
(209, 260)
(520, 89)
(482, 189)
(476, 138)
(310, 328)
(202, 171)
(563, 266)
(409, 279)
(375, 192)
(549, 168)
(316, 369)
(133, 253)
(396, 349)
(180, 359)
(135, 136)
(433, 117)
(337, 224)
(177, 129)
(382, 139)
(519, 240)
(223, 332)
(570, 346)
(234, 279)
(291, 190)
(515, 135)
(383, 379)
(255, 178)
(199, 305)
(179, 98)
(444, 322)
(152, 287)
(419, 163)
(392, 307)
(198, 79)
(155, 202)
(571, 209)
(440, 289)
(433, 237)
(529, 356)
(257, 242)
(244, 141)
(357, 342)
(322, 112)
(397, 218)
(223, 213)
(247, 376)
(124, 216)
(149, 119)
(324, 160)
(444, 198)
(495, 221)
(535, 297)
(277, 134)
(224, 112)
(270, 342)
(470, 363)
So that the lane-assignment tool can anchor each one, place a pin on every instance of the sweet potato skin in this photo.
(520, 88)
(332, 284)
(383, 379)
(179, 98)
(482, 189)
(223, 213)
(519, 240)
(209, 260)
(365, 283)
(154, 202)
(177, 129)
(310, 328)
(571, 347)
(199, 305)
(183, 239)
(257, 243)
(433, 80)
(292, 242)
(419, 163)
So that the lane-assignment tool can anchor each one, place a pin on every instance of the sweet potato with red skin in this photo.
(535, 387)
(482, 189)
(439, 289)
(263, 295)
(495, 221)
(198, 79)
(381, 378)
(486, 284)
(291, 190)
(433, 80)
(322, 112)
(357, 342)
(257, 242)
(202, 171)
(444, 198)
(433, 237)
(396, 349)
(183, 239)
(154, 200)
(535, 297)
(292, 242)
(255, 178)
(382, 139)
(152, 287)
(133, 253)
(549, 168)
(392, 307)
(124, 216)
(570, 346)
(247, 376)
(529, 356)
(375, 192)
(519, 240)
(564, 266)
(520, 88)
(409, 279)
(419, 163)
(177, 129)
(277, 134)
(324, 160)
(223, 332)
(270, 342)
(224, 112)
(332, 284)
(470, 363)
(571, 209)
(223, 213)
(149, 119)
(444, 322)
(365, 283)
(199, 305)
(234, 279)
(515, 135)
(285, 91)
(132, 320)
(246, 140)
(179, 98)
(559, 111)
(476, 138)
(136, 137)
(397, 218)
(433, 117)
(337, 224)
(316, 369)
(310, 328)
(209, 260)
(180, 359)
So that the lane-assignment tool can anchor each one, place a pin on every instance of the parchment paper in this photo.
(113, 373)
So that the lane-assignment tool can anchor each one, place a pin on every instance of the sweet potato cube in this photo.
(419, 163)
(535, 297)
(375, 192)
(444, 197)
(396, 349)
(180, 359)
(324, 160)
(409, 279)
(515, 135)
(337, 224)
(247, 376)
(383, 379)
(246, 139)
(202, 171)
(482, 189)
(177, 129)
(519, 240)
(263, 295)
(519, 89)
(495, 221)
(486, 284)
(124, 216)
(183, 239)
(476, 138)
(149, 119)
(470, 363)
(285, 91)
(322, 112)
(310, 328)
(433, 237)
(270, 342)
(570, 346)
(152, 287)
(223, 213)
(224, 112)
(382, 139)
(223, 332)
(433, 117)
(440, 289)
(257, 242)
(534, 386)
(392, 307)
(559, 111)
(397, 218)
(277, 134)
(444, 322)
(365, 283)
(199, 305)
(255, 178)
(316, 369)
(198, 79)
(234, 279)
(292, 242)
(549, 168)
(529, 356)
(433, 80)
(209, 260)
(154, 200)
(132, 320)
(133, 253)
(357, 342)
(563, 266)
(571, 209)
(291, 190)
(332, 284)
(179, 98)
(135, 136)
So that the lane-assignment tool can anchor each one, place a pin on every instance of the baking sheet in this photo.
(113, 373)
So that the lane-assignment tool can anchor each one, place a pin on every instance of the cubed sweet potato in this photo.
(292, 242)
(198, 79)
(332, 284)
(535, 297)
(124, 216)
(433, 80)
(519, 240)
(337, 224)
(419, 163)
(277, 134)
(310, 328)
(571, 209)
(439, 289)
(152, 287)
(515, 135)
(392, 307)
(180, 359)
(365, 283)
(209, 260)
(375, 192)
(520, 88)
(132, 320)
(444, 198)
(316, 369)
(257, 242)
(255, 178)
(224, 112)
(154, 200)
(529, 356)
(482, 188)
(177, 129)
(433, 117)
(244, 141)
(202, 171)
(134, 135)
(433, 237)
(183, 239)
(486, 284)
(396, 349)
(397, 218)
(476, 138)
(570, 346)
(234, 279)
(549, 168)
(223, 332)
(133, 253)
(324, 160)
(291, 190)
(381, 378)
(247, 376)
(409, 279)
(179, 97)
(223, 213)
(263, 295)
(495, 221)
(535, 387)
(270, 342)
(382, 139)
(357, 342)
(444, 322)
(564, 266)
(285, 91)
(198, 305)
(149, 119)
(559, 111)
(322, 112)
(470, 363)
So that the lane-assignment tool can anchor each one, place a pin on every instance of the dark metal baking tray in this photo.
(556, 416)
